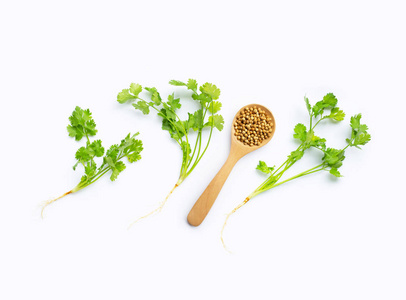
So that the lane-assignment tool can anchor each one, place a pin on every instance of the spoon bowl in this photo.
(239, 147)
(237, 150)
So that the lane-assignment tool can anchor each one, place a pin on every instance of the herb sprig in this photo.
(205, 117)
(81, 126)
(332, 159)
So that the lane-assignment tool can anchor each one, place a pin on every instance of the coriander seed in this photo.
(252, 126)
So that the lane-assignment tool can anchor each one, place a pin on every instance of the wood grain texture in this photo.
(237, 150)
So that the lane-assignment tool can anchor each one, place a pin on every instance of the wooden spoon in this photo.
(203, 205)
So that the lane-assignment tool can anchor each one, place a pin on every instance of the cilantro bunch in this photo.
(331, 160)
(82, 125)
(180, 130)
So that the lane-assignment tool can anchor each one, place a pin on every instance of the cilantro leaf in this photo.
(300, 132)
(195, 120)
(143, 106)
(333, 157)
(335, 172)
(192, 85)
(116, 168)
(295, 155)
(202, 98)
(317, 142)
(96, 148)
(129, 94)
(210, 90)
(176, 128)
(135, 89)
(125, 95)
(329, 101)
(214, 107)
(177, 83)
(167, 111)
(90, 169)
(215, 121)
(155, 96)
(309, 108)
(174, 102)
(187, 151)
(131, 148)
(81, 124)
(359, 134)
(337, 114)
(75, 132)
(111, 153)
(262, 166)
(83, 154)
(362, 138)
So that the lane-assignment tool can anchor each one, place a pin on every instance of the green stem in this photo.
(322, 118)
(186, 136)
(98, 175)
(198, 159)
(199, 141)
(307, 172)
(266, 186)
(311, 120)
(194, 151)
(207, 145)
(199, 148)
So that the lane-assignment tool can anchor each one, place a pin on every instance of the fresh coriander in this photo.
(205, 117)
(83, 125)
(332, 159)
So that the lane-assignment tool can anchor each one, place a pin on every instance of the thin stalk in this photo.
(198, 156)
(307, 172)
(311, 120)
(187, 140)
(198, 159)
(97, 176)
(322, 118)
(200, 139)
(199, 148)
(208, 141)
(194, 151)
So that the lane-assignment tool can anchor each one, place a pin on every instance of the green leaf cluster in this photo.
(262, 166)
(180, 130)
(83, 125)
(359, 134)
(332, 159)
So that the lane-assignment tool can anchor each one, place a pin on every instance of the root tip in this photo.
(46, 203)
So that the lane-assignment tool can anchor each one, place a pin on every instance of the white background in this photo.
(314, 238)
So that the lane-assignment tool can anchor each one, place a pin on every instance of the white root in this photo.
(157, 210)
(46, 203)
(225, 222)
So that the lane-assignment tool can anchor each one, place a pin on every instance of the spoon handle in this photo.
(203, 205)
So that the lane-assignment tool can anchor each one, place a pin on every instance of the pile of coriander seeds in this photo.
(252, 126)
